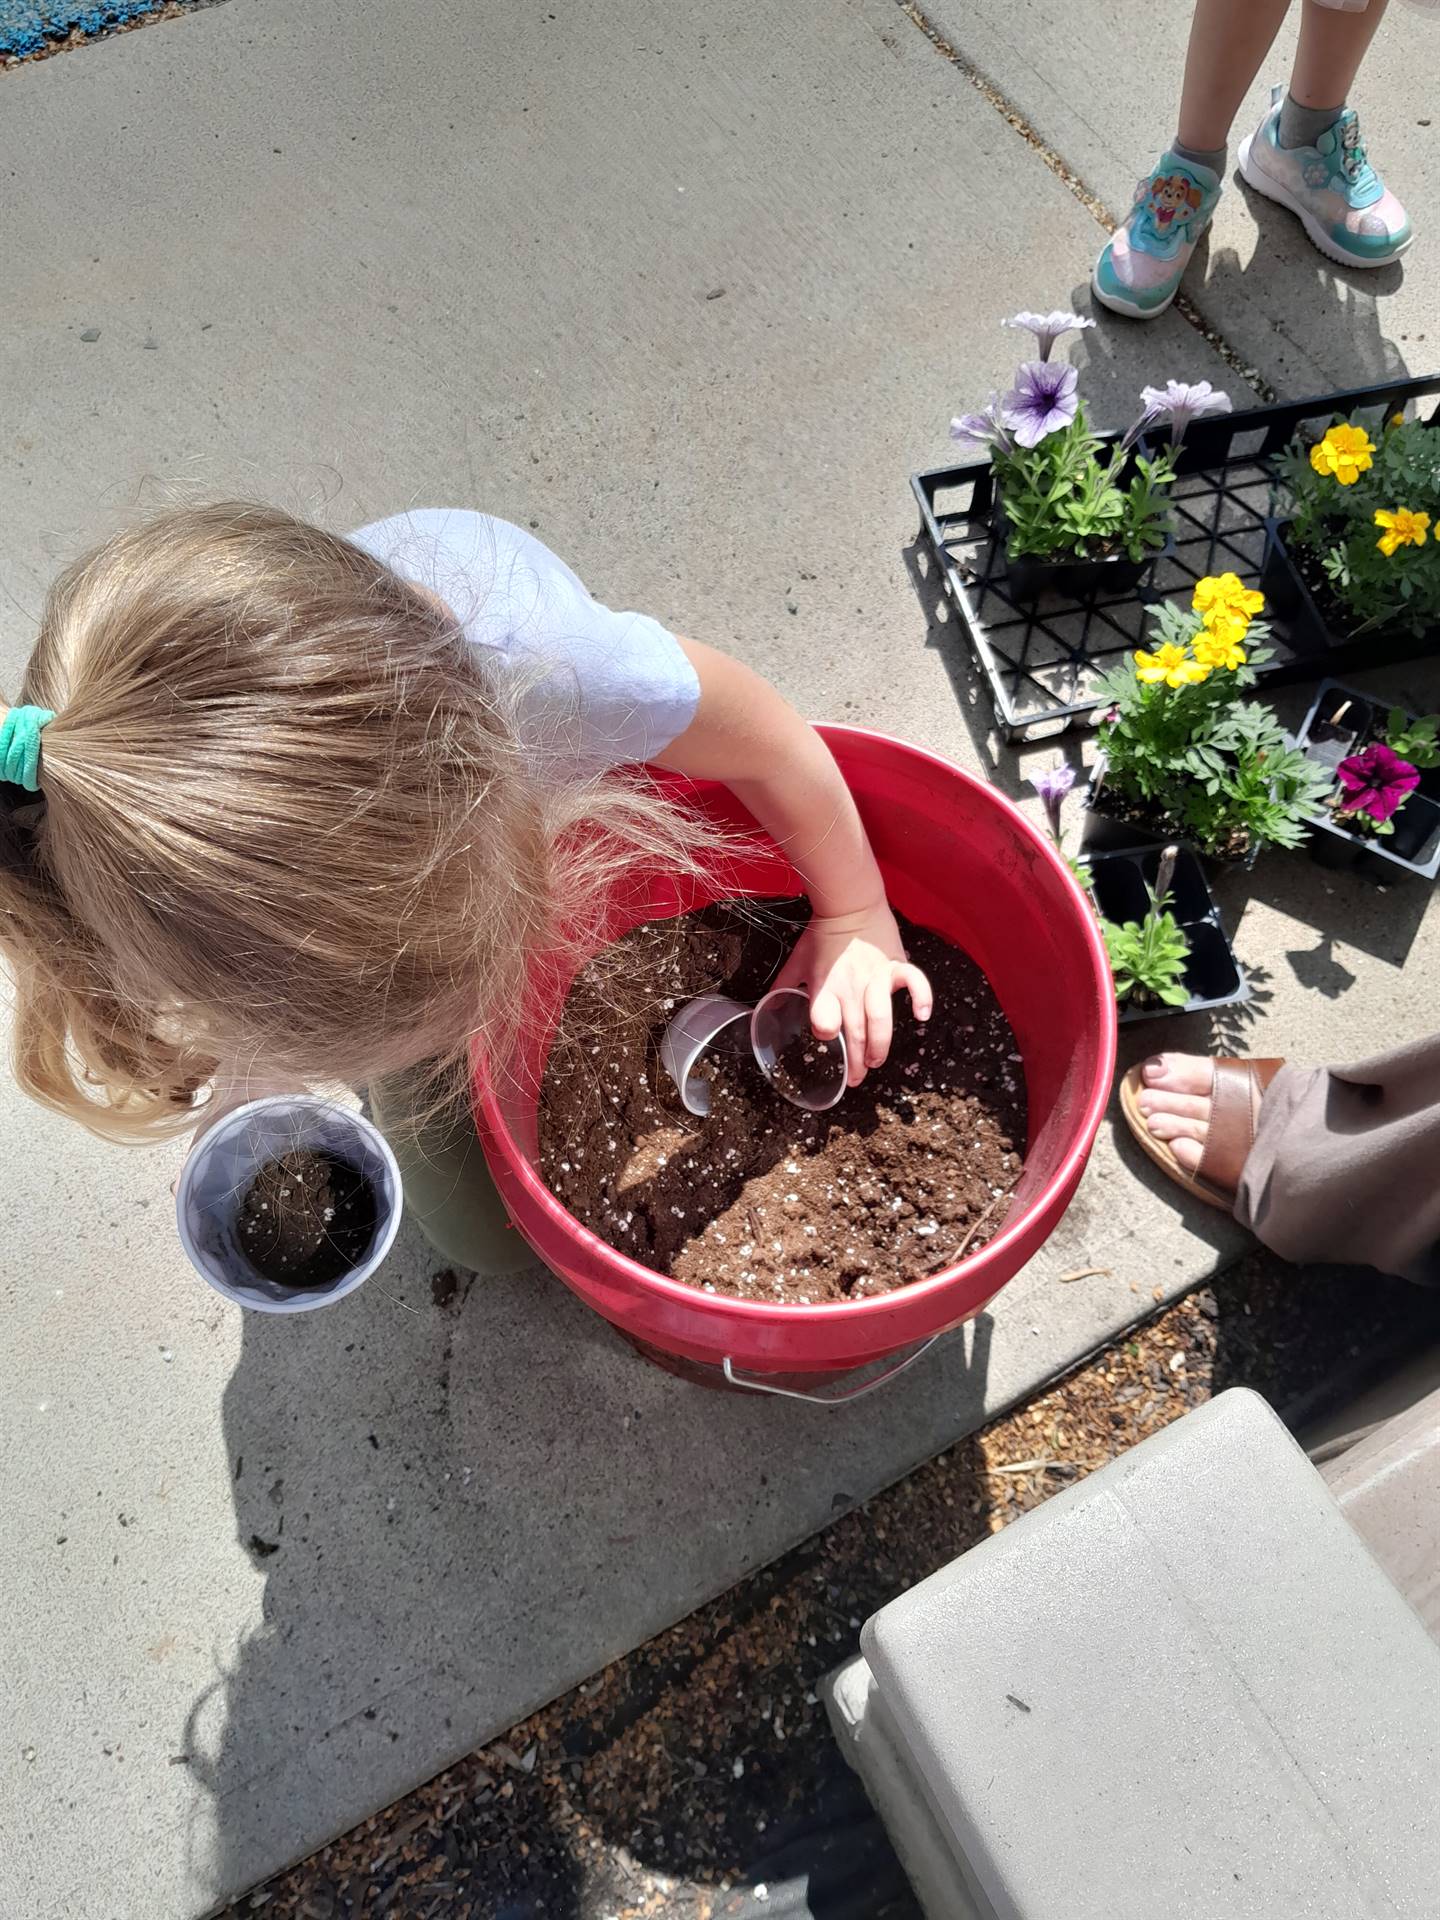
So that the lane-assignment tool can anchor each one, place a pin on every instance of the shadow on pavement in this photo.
(1380, 921)
(1318, 969)
(458, 1503)
(1285, 275)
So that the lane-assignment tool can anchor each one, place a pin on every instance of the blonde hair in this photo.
(286, 824)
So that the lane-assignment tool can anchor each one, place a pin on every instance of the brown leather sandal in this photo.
(1236, 1090)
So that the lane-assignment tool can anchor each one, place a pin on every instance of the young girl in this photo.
(1306, 154)
(292, 809)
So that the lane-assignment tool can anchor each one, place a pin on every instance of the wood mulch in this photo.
(697, 1777)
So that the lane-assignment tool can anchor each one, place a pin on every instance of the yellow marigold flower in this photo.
(1226, 593)
(1226, 623)
(1220, 647)
(1172, 665)
(1395, 420)
(1346, 452)
(1402, 529)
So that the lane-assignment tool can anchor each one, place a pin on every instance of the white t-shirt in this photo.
(598, 689)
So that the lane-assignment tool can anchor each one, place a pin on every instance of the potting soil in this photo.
(1151, 820)
(761, 1200)
(306, 1219)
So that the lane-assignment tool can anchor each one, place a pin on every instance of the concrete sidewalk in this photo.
(1105, 100)
(691, 291)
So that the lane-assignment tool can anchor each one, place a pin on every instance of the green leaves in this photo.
(1072, 497)
(1147, 957)
(1208, 764)
(1146, 506)
(1413, 740)
(1335, 527)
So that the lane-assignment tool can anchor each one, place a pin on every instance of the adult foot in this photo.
(1174, 1097)
(1139, 269)
(1331, 188)
(1196, 1118)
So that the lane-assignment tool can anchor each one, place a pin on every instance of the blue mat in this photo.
(28, 26)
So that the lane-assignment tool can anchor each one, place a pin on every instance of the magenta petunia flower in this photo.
(1042, 400)
(1376, 782)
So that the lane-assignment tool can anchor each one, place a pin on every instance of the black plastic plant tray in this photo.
(1341, 721)
(1118, 881)
(1289, 598)
(1103, 832)
(1040, 659)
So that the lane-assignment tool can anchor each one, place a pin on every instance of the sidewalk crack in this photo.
(1093, 204)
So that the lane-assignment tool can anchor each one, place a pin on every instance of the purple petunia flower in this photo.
(1042, 401)
(1052, 788)
(1376, 782)
(1179, 404)
(982, 430)
(1048, 327)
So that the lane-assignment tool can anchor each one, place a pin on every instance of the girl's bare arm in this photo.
(850, 957)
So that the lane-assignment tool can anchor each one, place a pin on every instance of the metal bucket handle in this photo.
(828, 1397)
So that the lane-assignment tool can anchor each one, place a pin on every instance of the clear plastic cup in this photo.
(813, 1077)
(712, 1020)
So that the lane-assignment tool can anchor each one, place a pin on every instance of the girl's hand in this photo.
(849, 958)
(851, 964)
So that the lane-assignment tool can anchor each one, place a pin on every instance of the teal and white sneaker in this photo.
(1139, 270)
(1331, 188)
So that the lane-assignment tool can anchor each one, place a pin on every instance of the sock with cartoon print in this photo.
(1303, 126)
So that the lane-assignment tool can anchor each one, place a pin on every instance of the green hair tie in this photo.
(20, 746)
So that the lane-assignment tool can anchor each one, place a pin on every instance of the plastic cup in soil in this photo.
(1342, 721)
(812, 1077)
(1213, 978)
(711, 1022)
(714, 1023)
(225, 1160)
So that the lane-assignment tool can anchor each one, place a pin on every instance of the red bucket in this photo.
(957, 857)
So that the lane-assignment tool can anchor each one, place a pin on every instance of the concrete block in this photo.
(1388, 1488)
(1180, 1688)
(863, 1727)
(1402, 1387)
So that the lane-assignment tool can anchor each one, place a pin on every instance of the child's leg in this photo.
(1307, 153)
(1228, 41)
(1332, 45)
(447, 1184)
(1140, 269)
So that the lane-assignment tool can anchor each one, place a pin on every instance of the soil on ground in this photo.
(306, 1219)
(761, 1200)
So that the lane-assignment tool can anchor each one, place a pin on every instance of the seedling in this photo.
(1148, 957)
